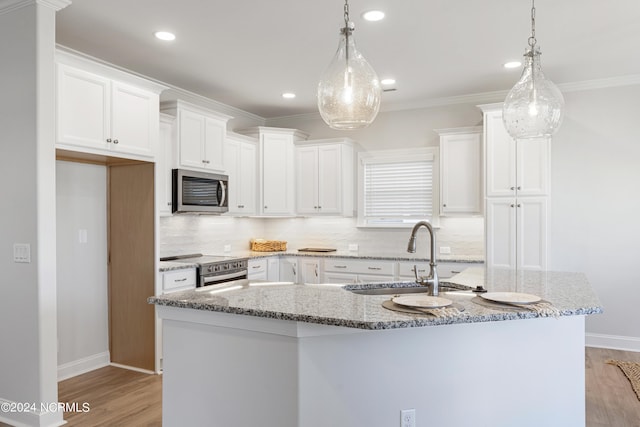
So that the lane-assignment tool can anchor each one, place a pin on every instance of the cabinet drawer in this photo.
(178, 279)
(360, 266)
(450, 269)
(257, 267)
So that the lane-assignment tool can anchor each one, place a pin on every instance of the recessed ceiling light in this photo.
(288, 95)
(512, 64)
(165, 35)
(373, 15)
(387, 82)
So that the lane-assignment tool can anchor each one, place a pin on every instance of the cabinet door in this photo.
(533, 167)
(500, 157)
(273, 269)
(369, 278)
(191, 130)
(460, 173)
(134, 120)
(330, 183)
(309, 270)
(288, 270)
(257, 269)
(232, 165)
(532, 233)
(307, 180)
(337, 278)
(501, 232)
(83, 105)
(214, 134)
(278, 174)
(247, 179)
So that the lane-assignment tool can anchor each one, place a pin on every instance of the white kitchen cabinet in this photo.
(98, 114)
(445, 269)
(518, 237)
(273, 269)
(517, 196)
(276, 169)
(164, 161)
(460, 171)
(310, 270)
(288, 269)
(200, 136)
(257, 269)
(325, 177)
(240, 163)
(514, 168)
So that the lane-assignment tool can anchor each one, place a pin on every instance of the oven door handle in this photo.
(230, 276)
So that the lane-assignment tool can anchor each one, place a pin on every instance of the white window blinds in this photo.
(397, 189)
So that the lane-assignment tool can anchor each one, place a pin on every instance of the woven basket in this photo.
(268, 245)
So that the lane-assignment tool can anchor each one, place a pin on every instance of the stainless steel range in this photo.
(212, 269)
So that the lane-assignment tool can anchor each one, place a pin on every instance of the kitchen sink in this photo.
(406, 290)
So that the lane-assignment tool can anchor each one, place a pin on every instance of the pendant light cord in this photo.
(347, 30)
(532, 39)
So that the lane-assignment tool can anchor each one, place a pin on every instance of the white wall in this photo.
(83, 309)
(594, 224)
(27, 172)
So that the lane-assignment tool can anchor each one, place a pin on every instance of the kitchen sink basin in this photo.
(405, 290)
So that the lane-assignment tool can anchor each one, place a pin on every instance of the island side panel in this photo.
(525, 373)
(219, 376)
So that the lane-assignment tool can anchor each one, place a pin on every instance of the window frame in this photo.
(393, 156)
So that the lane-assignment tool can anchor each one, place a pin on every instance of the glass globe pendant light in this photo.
(349, 90)
(534, 106)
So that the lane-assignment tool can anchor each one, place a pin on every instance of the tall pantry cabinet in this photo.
(517, 196)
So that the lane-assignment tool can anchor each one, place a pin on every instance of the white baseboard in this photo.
(83, 365)
(132, 368)
(615, 342)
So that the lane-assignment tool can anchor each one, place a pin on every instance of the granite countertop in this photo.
(176, 265)
(335, 305)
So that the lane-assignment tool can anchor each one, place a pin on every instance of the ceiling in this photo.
(246, 53)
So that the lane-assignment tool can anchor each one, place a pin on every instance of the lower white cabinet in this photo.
(445, 269)
(288, 269)
(310, 269)
(257, 269)
(517, 233)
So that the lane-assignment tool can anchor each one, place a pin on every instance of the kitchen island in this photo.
(277, 354)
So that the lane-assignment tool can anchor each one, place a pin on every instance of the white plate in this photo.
(511, 297)
(421, 301)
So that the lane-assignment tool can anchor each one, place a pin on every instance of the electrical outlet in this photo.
(408, 418)
(353, 247)
(445, 250)
(227, 248)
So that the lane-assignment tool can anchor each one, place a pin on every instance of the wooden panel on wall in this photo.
(131, 265)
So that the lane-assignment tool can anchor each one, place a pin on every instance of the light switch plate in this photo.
(353, 247)
(22, 252)
(445, 250)
(227, 248)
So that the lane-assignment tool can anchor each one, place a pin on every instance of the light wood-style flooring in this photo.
(119, 397)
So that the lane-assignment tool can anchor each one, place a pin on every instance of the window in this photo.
(397, 188)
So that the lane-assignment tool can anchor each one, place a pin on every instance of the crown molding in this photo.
(8, 6)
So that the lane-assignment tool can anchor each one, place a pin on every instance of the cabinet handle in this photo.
(181, 280)
(315, 207)
(206, 162)
(319, 207)
(374, 268)
(240, 206)
(293, 267)
(513, 188)
(512, 205)
(265, 206)
(255, 266)
(168, 203)
(115, 141)
(316, 270)
(339, 266)
(109, 140)
(444, 206)
(519, 187)
(519, 205)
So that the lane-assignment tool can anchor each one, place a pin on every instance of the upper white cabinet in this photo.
(514, 167)
(276, 169)
(325, 177)
(200, 136)
(100, 110)
(240, 154)
(517, 196)
(460, 171)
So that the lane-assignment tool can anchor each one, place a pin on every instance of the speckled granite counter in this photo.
(334, 305)
(175, 265)
(320, 355)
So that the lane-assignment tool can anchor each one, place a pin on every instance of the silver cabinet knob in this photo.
(109, 140)
(512, 205)
(115, 141)
(513, 188)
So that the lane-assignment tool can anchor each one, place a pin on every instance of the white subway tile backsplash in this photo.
(210, 234)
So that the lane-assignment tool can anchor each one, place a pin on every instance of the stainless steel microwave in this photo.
(199, 192)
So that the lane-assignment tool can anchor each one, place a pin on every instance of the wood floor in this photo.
(118, 397)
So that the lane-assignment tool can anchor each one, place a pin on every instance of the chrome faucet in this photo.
(432, 279)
